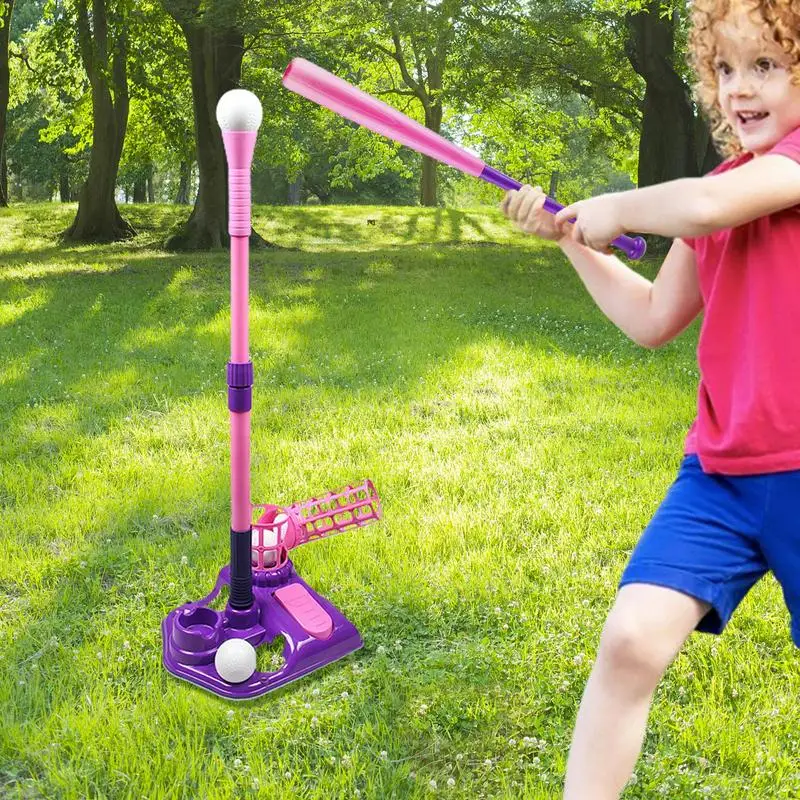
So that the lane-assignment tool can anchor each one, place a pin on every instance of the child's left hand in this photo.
(597, 221)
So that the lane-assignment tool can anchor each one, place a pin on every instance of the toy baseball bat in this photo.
(322, 87)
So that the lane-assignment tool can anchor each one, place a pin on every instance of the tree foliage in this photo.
(562, 95)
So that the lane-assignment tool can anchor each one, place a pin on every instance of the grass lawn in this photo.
(519, 442)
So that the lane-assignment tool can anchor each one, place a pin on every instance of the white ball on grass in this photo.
(235, 660)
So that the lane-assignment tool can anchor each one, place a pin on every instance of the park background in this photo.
(401, 330)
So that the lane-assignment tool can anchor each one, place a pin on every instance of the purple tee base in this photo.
(193, 632)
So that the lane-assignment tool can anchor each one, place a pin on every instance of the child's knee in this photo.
(627, 647)
(631, 647)
(647, 628)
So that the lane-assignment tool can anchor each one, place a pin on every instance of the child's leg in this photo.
(643, 633)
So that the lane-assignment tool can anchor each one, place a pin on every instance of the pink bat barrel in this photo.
(322, 87)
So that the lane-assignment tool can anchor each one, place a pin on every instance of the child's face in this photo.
(755, 89)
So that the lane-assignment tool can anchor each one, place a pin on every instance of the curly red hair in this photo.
(781, 20)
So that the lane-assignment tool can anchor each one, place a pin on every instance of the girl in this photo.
(733, 512)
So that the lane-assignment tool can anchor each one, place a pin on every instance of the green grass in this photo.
(519, 442)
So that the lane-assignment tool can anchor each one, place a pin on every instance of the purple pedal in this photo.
(316, 633)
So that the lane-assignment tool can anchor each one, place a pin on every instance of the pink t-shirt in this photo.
(748, 403)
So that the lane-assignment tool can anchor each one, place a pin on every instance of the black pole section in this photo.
(241, 574)
(240, 401)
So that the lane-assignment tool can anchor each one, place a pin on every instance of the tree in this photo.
(103, 42)
(668, 146)
(6, 9)
(215, 43)
(416, 41)
(50, 109)
(161, 106)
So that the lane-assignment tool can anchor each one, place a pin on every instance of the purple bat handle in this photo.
(633, 247)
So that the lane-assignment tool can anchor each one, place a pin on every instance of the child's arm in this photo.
(688, 206)
(651, 314)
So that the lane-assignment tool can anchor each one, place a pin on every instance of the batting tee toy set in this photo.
(216, 650)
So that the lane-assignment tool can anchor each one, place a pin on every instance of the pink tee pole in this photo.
(239, 116)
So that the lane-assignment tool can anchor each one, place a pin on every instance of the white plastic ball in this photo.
(235, 660)
(239, 110)
(270, 540)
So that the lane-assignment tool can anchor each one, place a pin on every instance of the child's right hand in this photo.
(524, 207)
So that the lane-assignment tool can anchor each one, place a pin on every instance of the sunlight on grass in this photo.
(519, 442)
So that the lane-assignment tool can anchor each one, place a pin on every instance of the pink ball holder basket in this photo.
(267, 599)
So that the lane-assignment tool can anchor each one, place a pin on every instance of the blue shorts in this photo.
(715, 535)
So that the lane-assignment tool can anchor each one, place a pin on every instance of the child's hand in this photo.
(597, 221)
(524, 208)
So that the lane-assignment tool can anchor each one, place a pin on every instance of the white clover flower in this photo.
(184, 560)
(451, 782)
(432, 783)
(487, 763)
(315, 693)
(237, 762)
(345, 695)
(384, 755)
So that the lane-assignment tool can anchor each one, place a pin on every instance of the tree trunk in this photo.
(295, 190)
(554, 176)
(140, 190)
(215, 57)
(707, 155)
(98, 218)
(182, 198)
(4, 196)
(428, 181)
(151, 195)
(667, 147)
(5, 32)
(63, 186)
